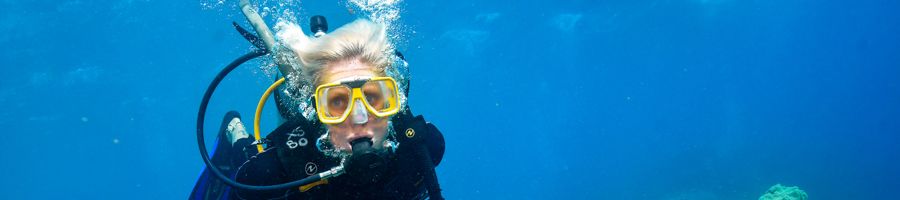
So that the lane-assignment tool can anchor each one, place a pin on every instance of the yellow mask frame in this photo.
(357, 94)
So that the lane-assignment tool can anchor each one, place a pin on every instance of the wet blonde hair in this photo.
(361, 40)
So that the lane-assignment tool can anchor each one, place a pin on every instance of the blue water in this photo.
(677, 99)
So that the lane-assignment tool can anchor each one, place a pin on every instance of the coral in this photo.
(779, 192)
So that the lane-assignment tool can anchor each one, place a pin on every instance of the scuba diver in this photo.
(364, 142)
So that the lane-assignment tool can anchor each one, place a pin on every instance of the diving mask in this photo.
(336, 101)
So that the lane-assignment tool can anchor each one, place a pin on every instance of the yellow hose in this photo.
(259, 108)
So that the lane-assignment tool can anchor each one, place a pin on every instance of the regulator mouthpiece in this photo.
(361, 145)
(365, 165)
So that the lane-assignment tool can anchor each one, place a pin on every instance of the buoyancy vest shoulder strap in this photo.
(295, 143)
(414, 131)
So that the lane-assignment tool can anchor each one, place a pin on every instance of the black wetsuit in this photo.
(292, 154)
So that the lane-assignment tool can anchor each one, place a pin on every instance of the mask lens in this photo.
(381, 95)
(335, 101)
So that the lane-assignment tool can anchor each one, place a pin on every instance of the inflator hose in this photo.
(201, 115)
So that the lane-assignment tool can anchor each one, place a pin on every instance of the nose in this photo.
(360, 115)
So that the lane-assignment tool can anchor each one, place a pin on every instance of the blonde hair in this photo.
(361, 40)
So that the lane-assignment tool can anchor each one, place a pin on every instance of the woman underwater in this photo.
(364, 143)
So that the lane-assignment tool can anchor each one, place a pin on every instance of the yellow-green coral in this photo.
(779, 192)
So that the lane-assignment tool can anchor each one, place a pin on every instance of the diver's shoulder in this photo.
(262, 168)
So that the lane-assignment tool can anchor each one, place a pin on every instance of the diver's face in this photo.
(343, 133)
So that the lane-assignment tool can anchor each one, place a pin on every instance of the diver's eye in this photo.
(337, 107)
(335, 100)
(374, 99)
(338, 103)
(374, 95)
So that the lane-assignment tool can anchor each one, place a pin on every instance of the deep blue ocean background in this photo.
(667, 99)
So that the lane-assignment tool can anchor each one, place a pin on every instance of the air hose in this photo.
(201, 115)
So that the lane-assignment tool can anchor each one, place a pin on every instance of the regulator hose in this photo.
(201, 115)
